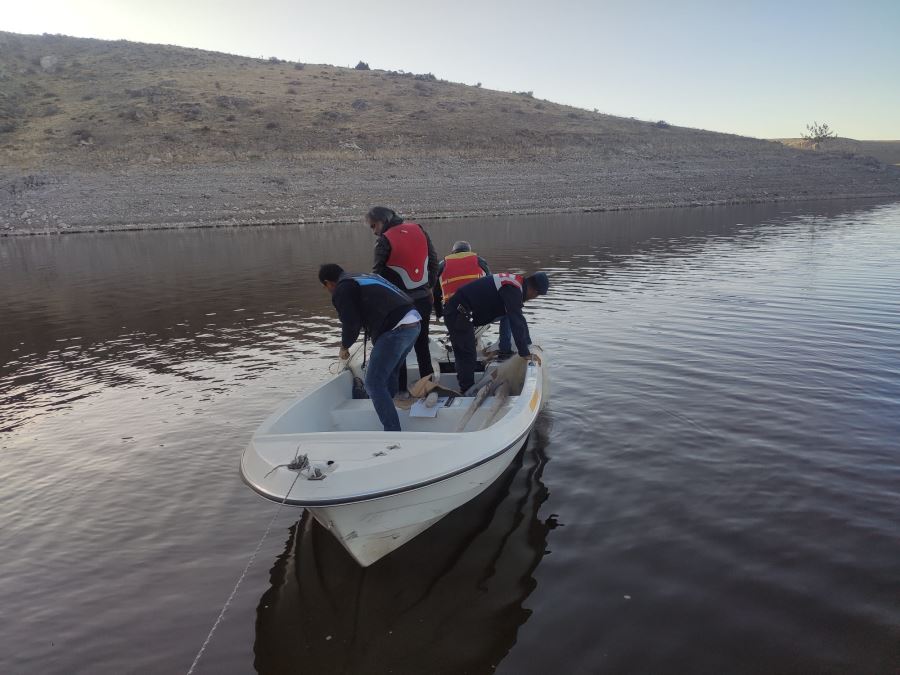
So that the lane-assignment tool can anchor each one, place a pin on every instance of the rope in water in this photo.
(241, 578)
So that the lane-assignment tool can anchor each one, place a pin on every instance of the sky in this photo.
(757, 68)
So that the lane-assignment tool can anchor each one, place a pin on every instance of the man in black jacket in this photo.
(370, 302)
(405, 256)
(482, 301)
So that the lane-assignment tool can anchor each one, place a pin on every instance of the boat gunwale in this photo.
(534, 373)
(355, 499)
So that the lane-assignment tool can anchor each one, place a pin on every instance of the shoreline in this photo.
(490, 213)
(301, 190)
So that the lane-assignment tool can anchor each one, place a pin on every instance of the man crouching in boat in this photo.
(461, 267)
(387, 314)
(482, 301)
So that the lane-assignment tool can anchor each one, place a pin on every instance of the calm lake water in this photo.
(714, 488)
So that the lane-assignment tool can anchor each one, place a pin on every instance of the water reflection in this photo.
(725, 398)
(81, 313)
(450, 601)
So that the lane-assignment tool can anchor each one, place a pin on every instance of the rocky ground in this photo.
(263, 192)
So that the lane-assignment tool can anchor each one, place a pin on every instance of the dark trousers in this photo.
(462, 338)
(423, 354)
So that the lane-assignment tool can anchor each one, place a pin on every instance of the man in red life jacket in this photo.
(459, 268)
(405, 256)
(482, 301)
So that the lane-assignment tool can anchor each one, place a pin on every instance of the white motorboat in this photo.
(376, 490)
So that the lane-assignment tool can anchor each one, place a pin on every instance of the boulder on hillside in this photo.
(49, 63)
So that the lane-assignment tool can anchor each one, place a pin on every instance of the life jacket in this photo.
(506, 279)
(409, 254)
(376, 280)
(459, 269)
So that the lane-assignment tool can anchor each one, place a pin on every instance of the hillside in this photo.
(112, 102)
(884, 151)
(97, 135)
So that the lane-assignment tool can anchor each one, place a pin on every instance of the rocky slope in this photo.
(103, 135)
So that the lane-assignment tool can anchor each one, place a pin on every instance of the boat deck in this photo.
(359, 415)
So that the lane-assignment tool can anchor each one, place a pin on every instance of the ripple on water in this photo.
(712, 489)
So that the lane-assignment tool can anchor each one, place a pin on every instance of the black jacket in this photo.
(383, 252)
(486, 304)
(439, 293)
(368, 301)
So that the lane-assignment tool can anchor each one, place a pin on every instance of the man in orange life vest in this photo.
(462, 266)
(482, 301)
(405, 256)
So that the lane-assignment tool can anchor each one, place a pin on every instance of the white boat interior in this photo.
(374, 489)
(343, 439)
(329, 409)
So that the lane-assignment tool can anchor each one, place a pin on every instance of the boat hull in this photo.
(372, 529)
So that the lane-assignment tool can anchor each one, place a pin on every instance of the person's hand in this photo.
(344, 354)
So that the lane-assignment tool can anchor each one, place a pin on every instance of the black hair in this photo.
(330, 272)
(382, 214)
(538, 281)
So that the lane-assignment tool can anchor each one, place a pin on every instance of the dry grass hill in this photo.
(112, 102)
(884, 151)
(102, 135)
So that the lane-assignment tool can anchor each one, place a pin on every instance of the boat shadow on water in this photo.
(451, 600)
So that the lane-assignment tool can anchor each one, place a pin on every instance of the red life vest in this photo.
(507, 279)
(409, 254)
(459, 269)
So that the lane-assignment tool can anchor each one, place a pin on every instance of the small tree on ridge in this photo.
(818, 133)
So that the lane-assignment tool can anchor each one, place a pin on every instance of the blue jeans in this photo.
(383, 371)
(505, 336)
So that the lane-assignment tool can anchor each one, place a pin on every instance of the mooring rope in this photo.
(365, 345)
(241, 578)
(344, 365)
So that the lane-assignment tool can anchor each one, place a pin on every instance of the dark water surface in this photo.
(715, 487)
